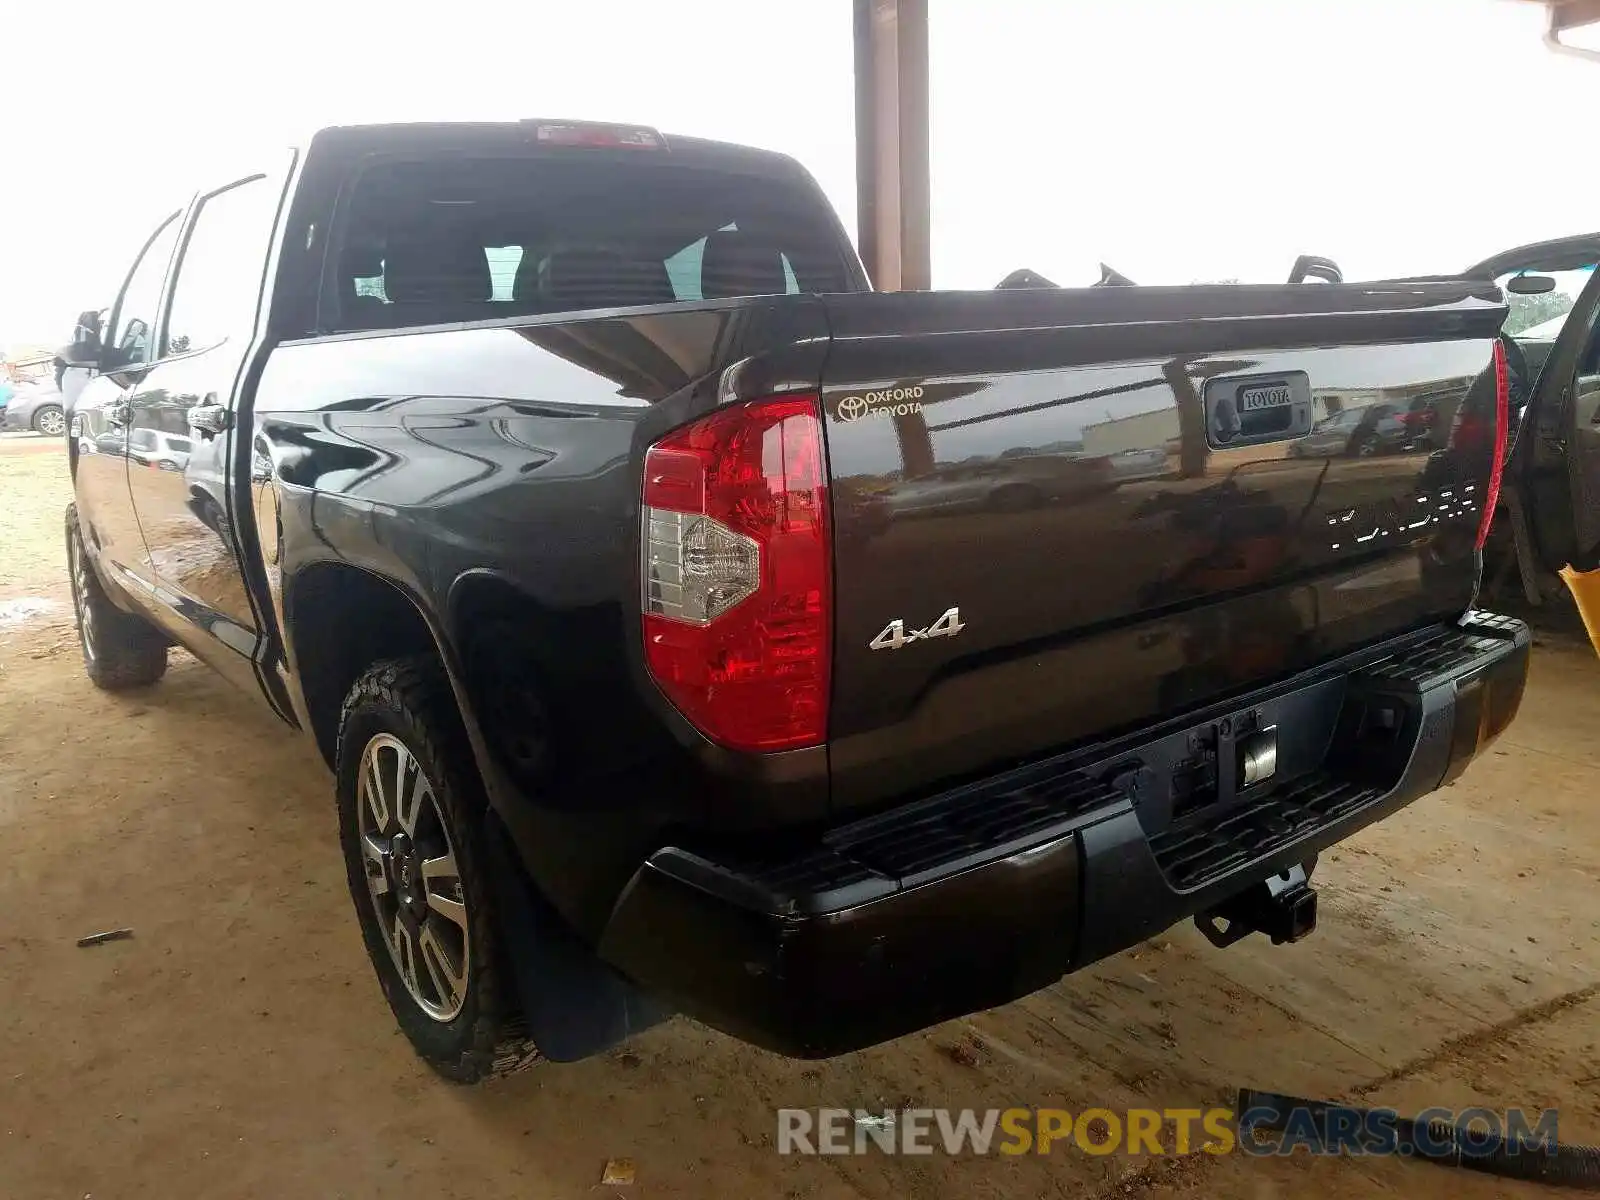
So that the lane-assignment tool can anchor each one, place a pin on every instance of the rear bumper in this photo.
(978, 896)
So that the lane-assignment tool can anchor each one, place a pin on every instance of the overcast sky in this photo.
(1174, 139)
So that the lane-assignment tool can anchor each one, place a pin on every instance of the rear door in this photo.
(1556, 460)
(181, 436)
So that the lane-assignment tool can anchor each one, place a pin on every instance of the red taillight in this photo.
(1502, 425)
(737, 596)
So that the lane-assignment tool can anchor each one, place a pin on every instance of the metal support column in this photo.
(892, 142)
(892, 187)
(1567, 15)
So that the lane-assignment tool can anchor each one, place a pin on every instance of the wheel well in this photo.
(497, 630)
(481, 600)
(342, 620)
(551, 691)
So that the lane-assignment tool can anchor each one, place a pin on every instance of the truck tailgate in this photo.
(1059, 515)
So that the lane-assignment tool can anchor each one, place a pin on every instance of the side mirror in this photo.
(86, 348)
(1530, 285)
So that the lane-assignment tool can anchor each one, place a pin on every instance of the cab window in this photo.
(478, 239)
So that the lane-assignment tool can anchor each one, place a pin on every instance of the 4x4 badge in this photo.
(895, 634)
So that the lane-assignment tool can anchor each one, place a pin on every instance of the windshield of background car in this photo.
(1539, 318)
(446, 240)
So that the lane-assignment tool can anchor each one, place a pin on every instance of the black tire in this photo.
(120, 650)
(51, 415)
(410, 701)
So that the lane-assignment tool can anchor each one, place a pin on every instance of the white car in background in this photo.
(153, 448)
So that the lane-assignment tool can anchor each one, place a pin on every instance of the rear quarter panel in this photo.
(503, 461)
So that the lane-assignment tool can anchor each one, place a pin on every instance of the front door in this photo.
(181, 437)
(100, 416)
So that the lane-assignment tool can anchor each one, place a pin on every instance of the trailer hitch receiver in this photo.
(1284, 907)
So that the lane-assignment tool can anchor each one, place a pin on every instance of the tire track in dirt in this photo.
(1189, 1168)
(1474, 1043)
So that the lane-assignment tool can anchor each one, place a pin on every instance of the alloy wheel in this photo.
(80, 592)
(53, 422)
(411, 871)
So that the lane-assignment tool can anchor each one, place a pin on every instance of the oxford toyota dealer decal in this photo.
(891, 402)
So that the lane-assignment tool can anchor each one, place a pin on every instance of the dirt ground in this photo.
(238, 1045)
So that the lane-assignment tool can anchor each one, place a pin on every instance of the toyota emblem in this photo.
(853, 408)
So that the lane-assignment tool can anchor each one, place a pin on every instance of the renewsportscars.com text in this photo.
(1323, 1129)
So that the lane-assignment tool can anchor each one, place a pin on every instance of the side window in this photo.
(503, 264)
(133, 332)
(370, 285)
(220, 270)
(683, 268)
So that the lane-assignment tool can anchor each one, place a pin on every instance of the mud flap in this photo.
(575, 1005)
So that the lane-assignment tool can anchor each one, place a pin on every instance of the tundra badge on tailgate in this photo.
(895, 634)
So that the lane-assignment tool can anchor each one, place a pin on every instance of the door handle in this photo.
(209, 419)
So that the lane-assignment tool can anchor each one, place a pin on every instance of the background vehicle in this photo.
(152, 448)
(1361, 432)
(1141, 463)
(544, 473)
(1009, 483)
(37, 406)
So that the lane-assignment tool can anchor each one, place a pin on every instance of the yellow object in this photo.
(619, 1172)
(1585, 589)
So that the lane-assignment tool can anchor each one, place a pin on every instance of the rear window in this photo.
(446, 240)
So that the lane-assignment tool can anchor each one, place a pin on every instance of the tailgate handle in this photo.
(1248, 410)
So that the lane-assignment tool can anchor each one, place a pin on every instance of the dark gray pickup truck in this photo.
(690, 629)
